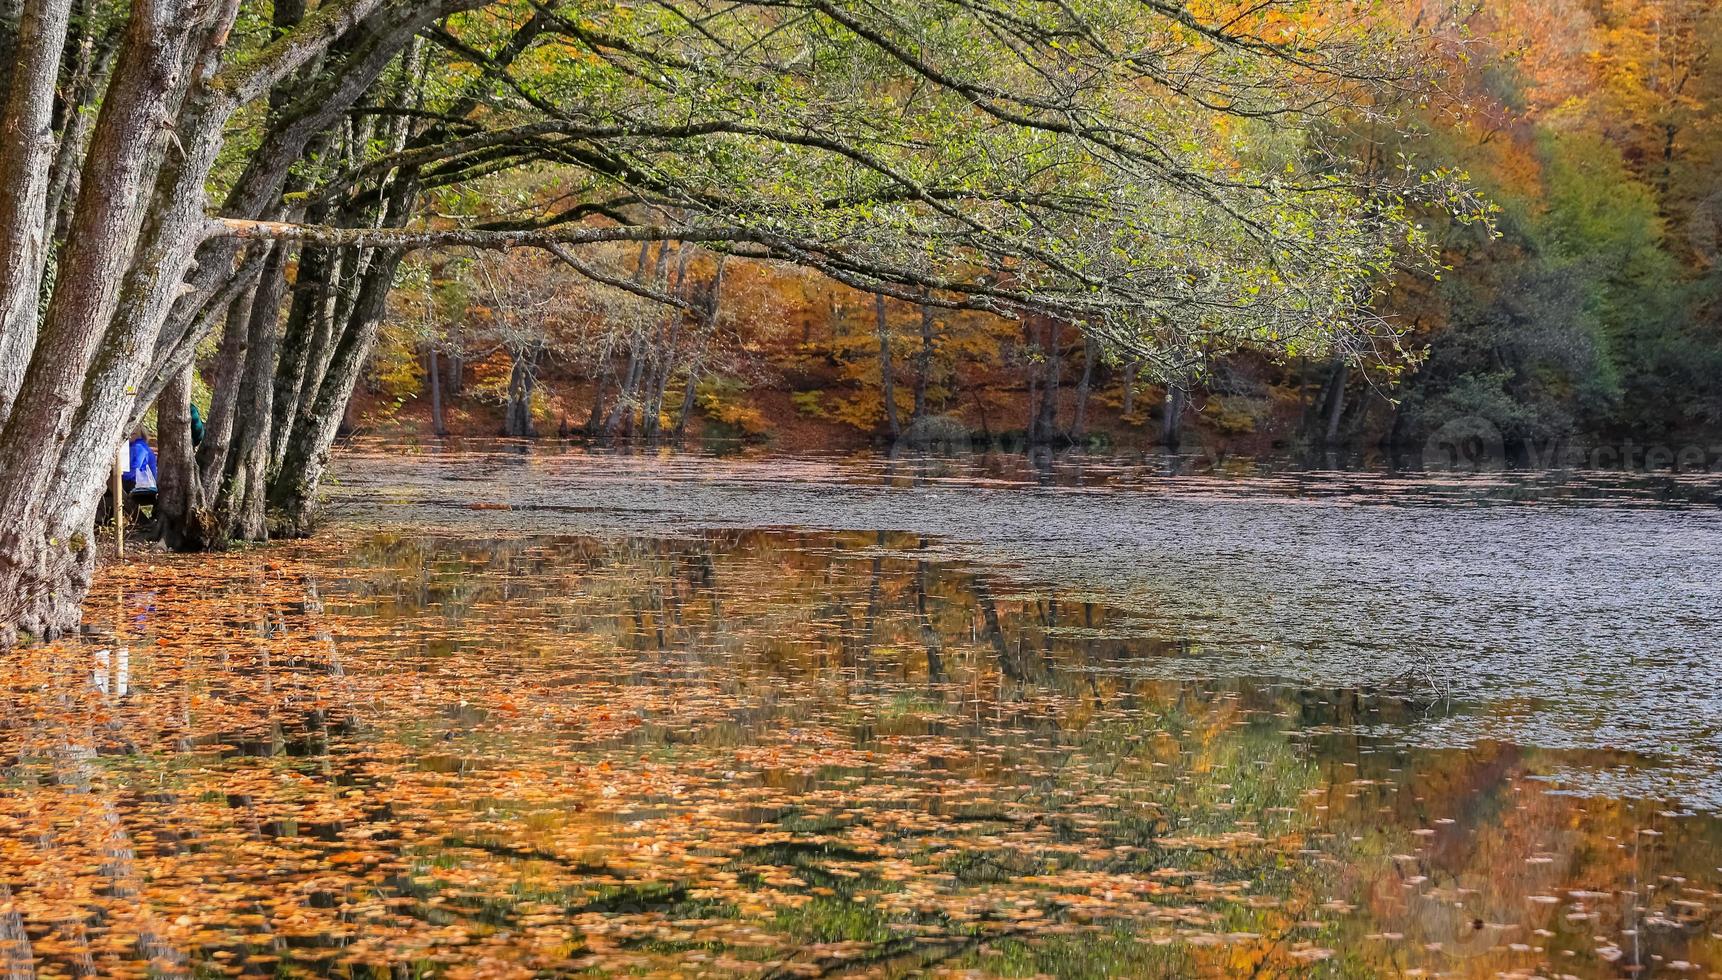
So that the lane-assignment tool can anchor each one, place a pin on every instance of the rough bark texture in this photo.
(187, 522)
(244, 492)
(292, 491)
(304, 319)
(223, 383)
(522, 380)
(26, 150)
(127, 305)
(46, 554)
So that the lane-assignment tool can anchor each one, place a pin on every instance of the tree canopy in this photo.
(1174, 178)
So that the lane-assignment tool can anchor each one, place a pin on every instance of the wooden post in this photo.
(118, 492)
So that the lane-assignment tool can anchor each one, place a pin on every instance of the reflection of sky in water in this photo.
(1563, 611)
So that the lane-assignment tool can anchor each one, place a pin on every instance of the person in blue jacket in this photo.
(139, 475)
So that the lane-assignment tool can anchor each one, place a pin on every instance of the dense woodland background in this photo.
(1593, 318)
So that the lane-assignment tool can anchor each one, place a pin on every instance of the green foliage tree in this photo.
(1150, 172)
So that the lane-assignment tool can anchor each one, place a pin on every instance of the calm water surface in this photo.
(533, 713)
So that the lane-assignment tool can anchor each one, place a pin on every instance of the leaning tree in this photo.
(1163, 175)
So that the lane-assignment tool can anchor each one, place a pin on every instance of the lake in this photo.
(533, 711)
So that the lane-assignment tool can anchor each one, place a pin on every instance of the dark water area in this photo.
(532, 712)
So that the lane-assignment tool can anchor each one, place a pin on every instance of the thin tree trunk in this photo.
(688, 396)
(230, 358)
(981, 410)
(1131, 371)
(1079, 427)
(435, 372)
(924, 362)
(709, 306)
(1335, 400)
(667, 361)
(625, 397)
(631, 377)
(96, 58)
(1046, 424)
(1171, 427)
(522, 379)
(595, 421)
(307, 309)
(187, 523)
(887, 380)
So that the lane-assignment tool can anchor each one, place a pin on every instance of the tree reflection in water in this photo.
(765, 753)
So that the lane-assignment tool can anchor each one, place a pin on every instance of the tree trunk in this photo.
(923, 363)
(1130, 372)
(125, 285)
(304, 320)
(1335, 401)
(625, 397)
(292, 492)
(96, 58)
(438, 428)
(708, 308)
(1079, 427)
(1046, 422)
(887, 380)
(688, 396)
(595, 421)
(244, 496)
(25, 156)
(230, 360)
(1171, 427)
(522, 380)
(53, 438)
(187, 522)
(666, 363)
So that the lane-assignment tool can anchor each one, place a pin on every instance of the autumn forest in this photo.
(799, 488)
